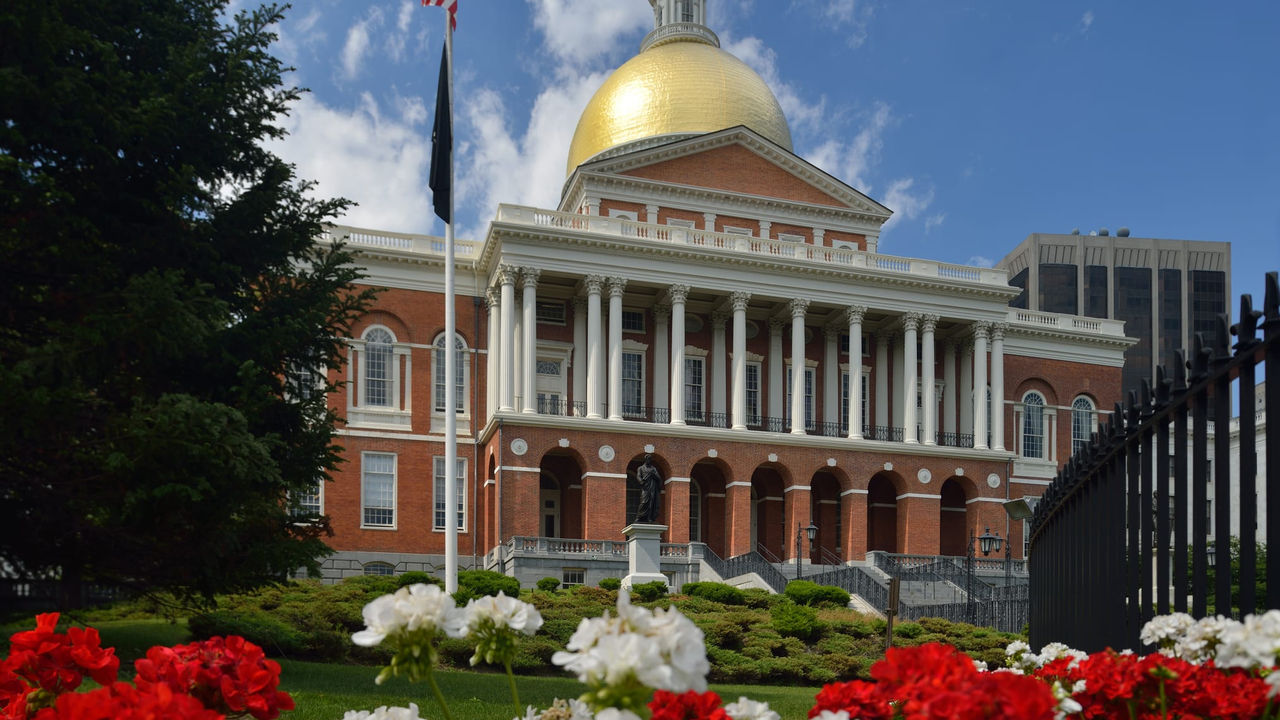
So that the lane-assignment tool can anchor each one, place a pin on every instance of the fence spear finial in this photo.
(1246, 330)
(1271, 304)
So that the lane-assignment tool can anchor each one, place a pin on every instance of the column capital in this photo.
(579, 304)
(855, 313)
(929, 323)
(776, 324)
(529, 276)
(981, 330)
(592, 284)
(911, 320)
(616, 286)
(739, 299)
(998, 330)
(492, 297)
(832, 332)
(678, 293)
(799, 306)
(508, 274)
(718, 318)
(662, 312)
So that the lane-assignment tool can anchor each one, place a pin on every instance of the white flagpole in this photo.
(450, 360)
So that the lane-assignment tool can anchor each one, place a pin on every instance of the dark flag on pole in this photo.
(440, 180)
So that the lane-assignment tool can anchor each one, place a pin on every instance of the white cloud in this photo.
(802, 115)
(934, 221)
(852, 161)
(848, 16)
(361, 154)
(396, 40)
(356, 47)
(1086, 21)
(980, 261)
(906, 201)
(578, 32)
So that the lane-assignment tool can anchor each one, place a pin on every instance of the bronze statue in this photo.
(650, 485)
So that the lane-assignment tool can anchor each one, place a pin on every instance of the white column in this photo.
(818, 234)
(798, 308)
(661, 355)
(831, 375)
(910, 322)
(517, 356)
(709, 221)
(579, 355)
(739, 301)
(595, 354)
(929, 401)
(777, 375)
(899, 373)
(651, 214)
(997, 385)
(530, 363)
(716, 372)
(980, 385)
(854, 314)
(616, 287)
(593, 206)
(881, 370)
(493, 300)
(966, 387)
(678, 294)
(766, 227)
(949, 387)
(506, 365)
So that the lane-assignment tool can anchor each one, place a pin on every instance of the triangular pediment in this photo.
(737, 161)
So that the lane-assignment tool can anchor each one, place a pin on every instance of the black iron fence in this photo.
(1111, 535)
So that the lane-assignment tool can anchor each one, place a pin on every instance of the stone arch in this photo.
(768, 515)
(710, 477)
(882, 511)
(392, 321)
(560, 482)
(953, 512)
(825, 511)
(1038, 384)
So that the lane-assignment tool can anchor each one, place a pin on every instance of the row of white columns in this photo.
(604, 398)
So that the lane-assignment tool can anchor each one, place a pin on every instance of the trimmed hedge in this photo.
(650, 591)
(718, 592)
(611, 583)
(549, 584)
(805, 592)
(474, 584)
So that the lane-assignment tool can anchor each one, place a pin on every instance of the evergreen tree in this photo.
(164, 303)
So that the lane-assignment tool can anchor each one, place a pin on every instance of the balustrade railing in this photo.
(949, 439)
(1110, 536)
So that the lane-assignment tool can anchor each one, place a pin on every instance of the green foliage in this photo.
(163, 294)
(611, 583)
(908, 630)
(804, 592)
(1260, 576)
(650, 591)
(798, 621)
(549, 584)
(718, 592)
(414, 577)
(479, 583)
(275, 636)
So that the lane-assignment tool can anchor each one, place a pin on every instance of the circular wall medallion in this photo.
(993, 480)
(519, 446)
(606, 453)
(564, 442)
(924, 476)
(648, 448)
(831, 462)
(959, 472)
(888, 466)
(773, 457)
(713, 453)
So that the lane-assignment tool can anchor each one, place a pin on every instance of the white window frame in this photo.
(638, 350)
(754, 406)
(695, 403)
(553, 318)
(364, 491)
(1083, 413)
(633, 312)
(397, 413)
(619, 214)
(364, 569)
(681, 223)
(1027, 420)
(463, 370)
(318, 492)
(810, 422)
(573, 576)
(555, 352)
(736, 230)
(437, 489)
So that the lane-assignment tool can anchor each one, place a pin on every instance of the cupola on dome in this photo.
(681, 84)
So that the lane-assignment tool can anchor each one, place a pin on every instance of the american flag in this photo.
(449, 5)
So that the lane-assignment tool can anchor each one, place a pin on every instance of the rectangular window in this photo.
(309, 502)
(378, 478)
(460, 495)
(693, 387)
(676, 222)
(439, 392)
(1095, 290)
(1058, 288)
(632, 383)
(633, 321)
(551, 312)
(753, 393)
(808, 399)
(1133, 305)
(304, 381)
(573, 576)
(624, 214)
(377, 375)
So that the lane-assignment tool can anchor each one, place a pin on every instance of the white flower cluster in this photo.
(573, 709)
(504, 612)
(746, 709)
(662, 649)
(1023, 660)
(1165, 630)
(409, 609)
(1254, 643)
(384, 713)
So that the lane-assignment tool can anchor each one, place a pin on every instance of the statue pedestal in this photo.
(644, 552)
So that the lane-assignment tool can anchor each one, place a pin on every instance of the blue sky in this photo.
(978, 124)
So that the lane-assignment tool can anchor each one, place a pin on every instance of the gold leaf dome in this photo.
(681, 88)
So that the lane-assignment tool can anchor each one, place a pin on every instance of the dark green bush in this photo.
(804, 592)
(719, 592)
(549, 584)
(759, 599)
(908, 630)
(798, 621)
(650, 591)
(259, 628)
(474, 584)
(376, 584)
(611, 583)
(414, 577)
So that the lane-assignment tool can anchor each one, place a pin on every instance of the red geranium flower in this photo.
(54, 663)
(231, 675)
(689, 705)
(122, 701)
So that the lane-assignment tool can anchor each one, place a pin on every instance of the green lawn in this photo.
(324, 692)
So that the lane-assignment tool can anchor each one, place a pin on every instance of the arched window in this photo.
(1082, 415)
(695, 511)
(379, 568)
(1033, 425)
(460, 374)
(379, 367)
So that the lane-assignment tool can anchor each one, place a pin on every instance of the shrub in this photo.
(760, 599)
(611, 583)
(804, 592)
(798, 621)
(909, 630)
(474, 584)
(374, 584)
(258, 627)
(650, 591)
(549, 584)
(719, 592)
(414, 577)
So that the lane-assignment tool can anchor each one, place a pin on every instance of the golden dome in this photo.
(676, 88)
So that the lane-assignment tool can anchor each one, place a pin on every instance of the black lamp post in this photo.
(987, 542)
(812, 532)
